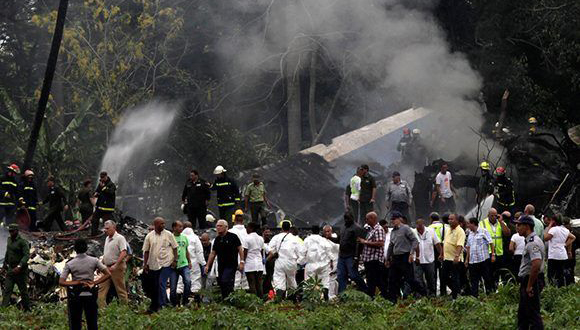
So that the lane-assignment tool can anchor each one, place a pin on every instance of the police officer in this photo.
(9, 194)
(531, 276)
(503, 191)
(82, 291)
(16, 267)
(105, 194)
(195, 197)
(228, 193)
(29, 197)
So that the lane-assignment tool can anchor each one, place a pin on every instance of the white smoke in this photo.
(140, 132)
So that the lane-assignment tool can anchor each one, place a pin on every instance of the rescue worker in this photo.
(29, 197)
(255, 200)
(497, 228)
(533, 126)
(227, 191)
(399, 195)
(334, 248)
(504, 196)
(485, 185)
(241, 282)
(85, 200)
(106, 194)
(316, 254)
(56, 205)
(196, 253)
(404, 141)
(285, 250)
(531, 276)
(16, 267)
(195, 198)
(9, 194)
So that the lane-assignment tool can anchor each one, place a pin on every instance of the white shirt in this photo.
(240, 230)
(520, 243)
(113, 248)
(444, 182)
(387, 242)
(427, 242)
(556, 246)
(355, 188)
(255, 245)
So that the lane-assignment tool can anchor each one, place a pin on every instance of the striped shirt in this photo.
(478, 243)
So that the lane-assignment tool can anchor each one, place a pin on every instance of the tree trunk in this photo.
(312, 96)
(293, 105)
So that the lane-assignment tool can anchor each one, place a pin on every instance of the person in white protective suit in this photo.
(285, 249)
(333, 283)
(316, 256)
(197, 260)
(241, 282)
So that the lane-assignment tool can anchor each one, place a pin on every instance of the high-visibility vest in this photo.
(438, 227)
(496, 237)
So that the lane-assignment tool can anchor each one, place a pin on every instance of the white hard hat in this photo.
(219, 170)
(28, 173)
(182, 206)
(416, 131)
(209, 218)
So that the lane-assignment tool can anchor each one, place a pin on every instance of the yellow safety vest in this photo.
(496, 237)
(438, 227)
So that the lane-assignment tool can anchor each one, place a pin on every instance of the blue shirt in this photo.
(478, 243)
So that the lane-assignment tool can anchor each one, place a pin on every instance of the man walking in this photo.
(453, 254)
(444, 190)
(285, 250)
(478, 260)
(16, 267)
(228, 249)
(105, 206)
(183, 267)
(56, 204)
(195, 198)
(425, 264)
(316, 255)
(373, 256)
(368, 193)
(348, 254)
(399, 195)
(255, 199)
(114, 257)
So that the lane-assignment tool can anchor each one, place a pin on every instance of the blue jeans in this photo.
(185, 274)
(348, 269)
(166, 273)
(226, 280)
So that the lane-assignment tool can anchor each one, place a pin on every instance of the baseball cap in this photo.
(396, 174)
(525, 220)
(396, 214)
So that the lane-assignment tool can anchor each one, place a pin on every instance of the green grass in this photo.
(560, 310)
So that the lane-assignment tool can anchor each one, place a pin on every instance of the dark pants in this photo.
(556, 272)
(529, 316)
(516, 263)
(498, 270)
(76, 306)
(447, 205)
(86, 212)
(255, 283)
(401, 207)
(451, 272)
(257, 212)
(185, 273)
(96, 220)
(438, 273)
(33, 218)
(267, 279)
(151, 288)
(480, 271)
(7, 214)
(401, 271)
(376, 278)
(197, 215)
(569, 271)
(365, 207)
(226, 212)
(426, 273)
(226, 280)
(20, 280)
(346, 269)
(54, 216)
(354, 209)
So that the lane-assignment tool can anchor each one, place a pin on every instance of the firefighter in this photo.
(404, 141)
(195, 197)
(533, 125)
(29, 197)
(504, 196)
(485, 185)
(9, 194)
(105, 194)
(228, 193)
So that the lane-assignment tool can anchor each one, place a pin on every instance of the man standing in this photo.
(348, 254)
(228, 193)
(241, 282)
(255, 197)
(253, 253)
(316, 255)
(85, 200)
(330, 236)
(439, 228)
(9, 194)
(196, 251)
(453, 254)
(228, 248)
(29, 197)
(160, 259)
(206, 244)
(114, 257)
(425, 264)
(399, 195)
(285, 250)
(195, 198)
(496, 228)
(105, 194)
(478, 244)
(531, 275)
(16, 267)
(444, 190)
(368, 193)
(354, 196)
(373, 256)
(183, 267)
(529, 210)
(56, 204)
(400, 259)
(505, 198)
(269, 264)
(82, 290)
(485, 185)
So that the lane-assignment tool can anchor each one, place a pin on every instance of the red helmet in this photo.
(500, 171)
(14, 168)
(406, 131)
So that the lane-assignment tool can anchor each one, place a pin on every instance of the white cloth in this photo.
(317, 255)
(556, 245)
(113, 248)
(427, 242)
(195, 250)
(289, 250)
(520, 243)
(241, 281)
(255, 246)
(444, 182)
(333, 283)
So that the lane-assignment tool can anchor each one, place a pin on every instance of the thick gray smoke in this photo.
(137, 135)
(392, 49)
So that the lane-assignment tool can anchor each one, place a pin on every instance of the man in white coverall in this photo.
(197, 260)
(285, 249)
(239, 229)
(330, 237)
(316, 255)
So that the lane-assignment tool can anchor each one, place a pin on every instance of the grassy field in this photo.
(560, 310)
